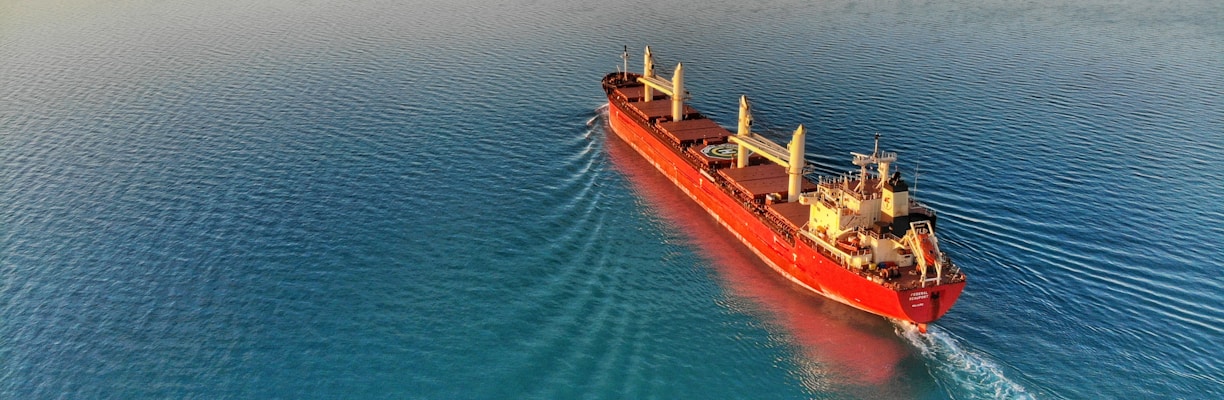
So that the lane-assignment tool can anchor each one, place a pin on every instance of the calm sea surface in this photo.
(379, 199)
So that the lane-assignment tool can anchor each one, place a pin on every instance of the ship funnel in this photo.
(795, 169)
(678, 93)
(648, 72)
(745, 129)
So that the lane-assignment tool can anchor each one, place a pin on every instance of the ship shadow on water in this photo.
(836, 347)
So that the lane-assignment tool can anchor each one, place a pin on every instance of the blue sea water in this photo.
(377, 199)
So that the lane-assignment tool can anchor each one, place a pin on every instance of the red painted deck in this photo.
(761, 180)
(693, 130)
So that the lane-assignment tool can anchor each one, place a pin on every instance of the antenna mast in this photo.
(876, 152)
(883, 160)
(625, 59)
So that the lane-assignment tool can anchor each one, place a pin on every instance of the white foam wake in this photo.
(965, 374)
(600, 112)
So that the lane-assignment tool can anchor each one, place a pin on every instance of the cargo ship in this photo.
(860, 238)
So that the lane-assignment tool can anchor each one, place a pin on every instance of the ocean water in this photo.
(377, 199)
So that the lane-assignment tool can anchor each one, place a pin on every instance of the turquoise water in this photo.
(421, 200)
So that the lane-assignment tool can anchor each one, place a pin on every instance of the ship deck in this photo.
(793, 213)
(637, 93)
(908, 278)
(656, 110)
(694, 130)
(755, 181)
(762, 180)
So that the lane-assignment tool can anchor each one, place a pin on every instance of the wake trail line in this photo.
(961, 371)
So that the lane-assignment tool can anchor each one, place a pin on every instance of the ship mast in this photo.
(625, 59)
(795, 167)
(648, 73)
(678, 93)
(745, 130)
(790, 157)
(673, 88)
(876, 157)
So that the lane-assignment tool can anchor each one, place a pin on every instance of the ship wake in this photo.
(600, 111)
(963, 373)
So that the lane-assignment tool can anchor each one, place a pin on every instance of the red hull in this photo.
(799, 262)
